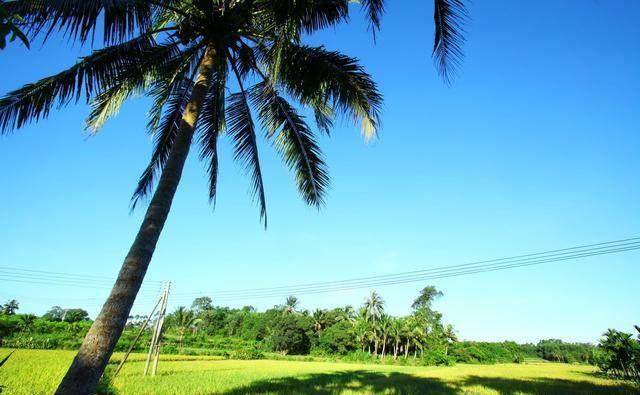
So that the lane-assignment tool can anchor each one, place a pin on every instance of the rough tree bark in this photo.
(96, 349)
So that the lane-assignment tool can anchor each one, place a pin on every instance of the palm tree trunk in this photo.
(96, 349)
(395, 350)
(406, 349)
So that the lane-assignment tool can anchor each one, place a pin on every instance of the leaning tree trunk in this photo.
(96, 349)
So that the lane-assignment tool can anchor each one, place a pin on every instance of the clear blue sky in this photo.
(535, 147)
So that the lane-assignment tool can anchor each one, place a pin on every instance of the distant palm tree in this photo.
(10, 307)
(360, 332)
(449, 336)
(374, 307)
(319, 321)
(183, 54)
(290, 305)
(384, 327)
(396, 333)
(184, 320)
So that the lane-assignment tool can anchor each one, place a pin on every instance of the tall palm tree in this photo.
(396, 332)
(184, 320)
(449, 336)
(184, 55)
(374, 308)
(319, 321)
(384, 327)
(361, 332)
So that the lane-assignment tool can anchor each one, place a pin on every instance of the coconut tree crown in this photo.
(261, 68)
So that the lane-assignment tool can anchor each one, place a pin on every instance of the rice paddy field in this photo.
(38, 372)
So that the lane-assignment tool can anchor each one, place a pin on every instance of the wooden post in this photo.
(155, 333)
(144, 326)
(160, 325)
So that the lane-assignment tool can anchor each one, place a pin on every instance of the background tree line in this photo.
(366, 333)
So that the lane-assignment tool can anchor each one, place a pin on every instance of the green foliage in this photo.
(337, 339)
(488, 353)
(436, 356)
(288, 336)
(618, 355)
(10, 307)
(249, 353)
(9, 26)
(558, 351)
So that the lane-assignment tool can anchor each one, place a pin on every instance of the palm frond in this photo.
(450, 17)
(158, 70)
(306, 15)
(295, 142)
(315, 75)
(91, 74)
(211, 124)
(79, 19)
(323, 114)
(374, 10)
(241, 129)
(164, 137)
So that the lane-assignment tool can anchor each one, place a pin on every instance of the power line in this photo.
(9, 269)
(558, 255)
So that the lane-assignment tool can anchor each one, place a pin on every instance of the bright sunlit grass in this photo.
(38, 372)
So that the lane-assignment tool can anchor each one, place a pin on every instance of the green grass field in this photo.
(37, 372)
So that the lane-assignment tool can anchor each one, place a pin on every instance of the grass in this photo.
(38, 372)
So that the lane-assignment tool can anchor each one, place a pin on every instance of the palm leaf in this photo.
(306, 15)
(158, 69)
(314, 75)
(374, 10)
(241, 129)
(449, 17)
(91, 74)
(164, 137)
(295, 142)
(79, 19)
(211, 124)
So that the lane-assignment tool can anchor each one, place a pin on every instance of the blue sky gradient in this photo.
(534, 147)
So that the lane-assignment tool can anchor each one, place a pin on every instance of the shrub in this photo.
(251, 353)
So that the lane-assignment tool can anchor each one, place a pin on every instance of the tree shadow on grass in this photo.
(542, 385)
(367, 382)
(359, 381)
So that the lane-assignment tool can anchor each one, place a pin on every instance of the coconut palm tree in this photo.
(184, 320)
(10, 307)
(319, 321)
(374, 308)
(449, 336)
(290, 305)
(361, 332)
(395, 333)
(384, 326)
(186, 55)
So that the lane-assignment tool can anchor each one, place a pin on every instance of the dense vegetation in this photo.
(366, 334)
(619, 355)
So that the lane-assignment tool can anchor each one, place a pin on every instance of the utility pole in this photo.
(133, 344)
(154, 347)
